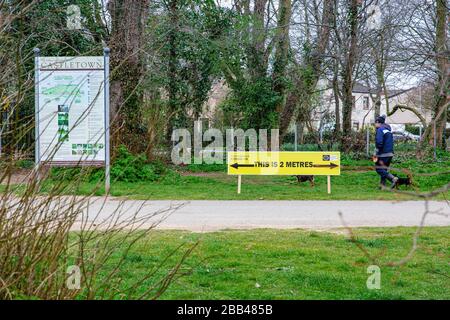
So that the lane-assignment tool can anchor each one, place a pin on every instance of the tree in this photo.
(350, 56)
(381, 32)
(307, 72)
(437, 63)
(245, 52)
(128, 21)
(24, 26)
(443, 69)
(281, 52)
(172, 87)
(183, 57)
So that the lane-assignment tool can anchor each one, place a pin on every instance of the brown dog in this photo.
(301, 179)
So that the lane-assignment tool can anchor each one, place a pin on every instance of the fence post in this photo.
(434, 140)
(296, 137)
(368, 142)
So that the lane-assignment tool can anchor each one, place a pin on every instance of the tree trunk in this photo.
(172, 67)
(128, 18)
(337, 101)
(442, 87)
(380, 67)
(258, 66)
(281, 53)
(347, 74)
(304, 87)
(380, 80)
(443, 63)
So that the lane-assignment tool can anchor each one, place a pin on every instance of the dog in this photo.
(301, 179)
(403, 181)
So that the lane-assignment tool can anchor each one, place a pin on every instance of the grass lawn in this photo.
(358, 181)
(351, 185)
(296, 264)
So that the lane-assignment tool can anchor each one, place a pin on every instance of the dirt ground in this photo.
(17, 177)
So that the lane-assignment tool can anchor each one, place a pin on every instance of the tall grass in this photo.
(50, 242)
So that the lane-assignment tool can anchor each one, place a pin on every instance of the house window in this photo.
(356, 126)
(366, 103)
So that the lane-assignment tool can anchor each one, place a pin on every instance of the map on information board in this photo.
(71, 110)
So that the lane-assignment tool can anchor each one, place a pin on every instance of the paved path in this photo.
(217, 215)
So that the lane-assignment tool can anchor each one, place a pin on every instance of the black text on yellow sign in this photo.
(284, 163)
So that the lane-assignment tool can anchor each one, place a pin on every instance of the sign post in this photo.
(239, 183)
(106, 52)
(72, 112)
(36, 112)
(284, 163)
(329, 184)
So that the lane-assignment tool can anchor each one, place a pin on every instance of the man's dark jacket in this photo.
(384, 141)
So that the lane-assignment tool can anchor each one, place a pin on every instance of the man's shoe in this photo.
(394, 182)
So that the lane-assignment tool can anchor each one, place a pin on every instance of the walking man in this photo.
(384, 152)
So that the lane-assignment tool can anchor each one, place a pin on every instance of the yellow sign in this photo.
(284, 163)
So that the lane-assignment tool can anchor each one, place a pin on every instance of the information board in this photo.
(70, 110)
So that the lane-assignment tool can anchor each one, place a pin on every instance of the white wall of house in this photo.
(406, 117)
(362, 113)
(364, 110)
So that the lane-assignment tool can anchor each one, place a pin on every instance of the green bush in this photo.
(206, 167)
(25, 164)
(67, 174)
(414, 129)
(132, 168)
(126, 167)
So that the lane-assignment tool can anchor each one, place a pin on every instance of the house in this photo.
(363, 105)
(363, 112)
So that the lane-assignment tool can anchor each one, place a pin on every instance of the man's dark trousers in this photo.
(382, 167)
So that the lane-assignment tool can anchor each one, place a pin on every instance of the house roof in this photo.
(360, 88)
(394, 93)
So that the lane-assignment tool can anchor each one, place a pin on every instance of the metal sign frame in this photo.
(38, 159)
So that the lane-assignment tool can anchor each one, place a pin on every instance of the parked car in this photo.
(405, 136)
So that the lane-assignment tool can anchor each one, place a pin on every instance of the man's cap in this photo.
(381, 119)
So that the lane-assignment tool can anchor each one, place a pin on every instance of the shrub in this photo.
(131, 168)
(126, 167)
(25, 164)
(354, 142)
